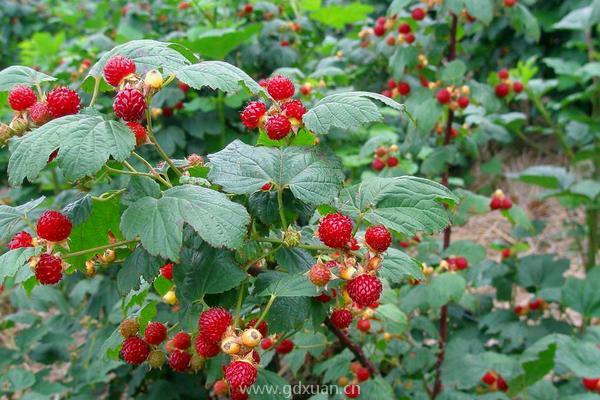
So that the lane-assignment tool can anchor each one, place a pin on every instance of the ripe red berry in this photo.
(21, 239)
(129, 104)
(266, 344)
(182, 340)
(444, 96)
(49, 269)
(266, 187)
(463, 102)
(263, 328)
(184, 87)
(364, 290)
(418, 14)
(240, 374)
(63, 101)
(341, 318)
(206, 348)
(156, 333)
(377, 164)
(519, 310)
(379, 30)
(506, 253)
(506, 203)
(409, 38)
(294, 109)
(496, 202)
(280, 87)
(21, 98)
(277, 127)
(323, 298)
(378, 238)
(391, 84)
(391, 40)
(40, 113)
(590, 383)
(220, 388)
(502, 385)
(403, 88)
(179, 360)
(214, 322)
(489, 378)
(134, 350)
(167, 112)
(352, 391)
(503, 73)
(319, 274)
(404, 29)
(237, 394)
(117, 69)
(54, 226)
(252, 114)
(502, 90)
(517, 87)
(392, 162)
(335, 230)
(363, 325)
(362, 374)
(458, 263)
(167, 271)
(248, 8)
(284, 347)
(138, 131)
(510, 3)
(381, 20)
(536, 304)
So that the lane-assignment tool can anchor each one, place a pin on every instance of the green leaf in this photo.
(18, 379)
(377, 388)
(19, 75)
(534, 371)
(217, 75)
(338, 16)
(541, 271)
(582, 295)
(86, 141)
(284, 285)
(454, 72)
(404, 204)
(394, 320)
(12, 261)
(445, 288)
(546, 176)
(159, 222)
(206, 271)
(349, 110)
(473, 252)
(244, 169)
(582, 358)
(289, 313)
(139, 264)
(397, 266)
(483, 10)
(217, 43)
(578, 19)
(525, 21)
(12, 219)
(404, 56)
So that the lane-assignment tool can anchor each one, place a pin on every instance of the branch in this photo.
(353, 347)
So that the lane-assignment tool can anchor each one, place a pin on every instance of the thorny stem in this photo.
(353, 347)
(100, 248)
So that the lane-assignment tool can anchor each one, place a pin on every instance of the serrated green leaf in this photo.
(12, 261)
(483, 10)
(534, 370)
(454, 71)
(397, 266)
(338, 16)
(20, 75)
(217, 43)
(12, 218)
(582, 295)
(217, 75)
(139, 264)
(541, 271)
(546, 176)
(445, 288)
(280, 284)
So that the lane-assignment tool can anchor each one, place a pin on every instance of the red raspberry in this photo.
(444, 96)
(502, 90)
(506, 253)
(378, 238)
(391, 84)
(238, 395)
(63, 101)
(182, 340)
(266, 344)
(536, 304)
(458, 263)
(409, 38)
(418, 14)
(167, 271)
(323, 298)
(520, 310)
(403, 88)
(54, 226)
(510, 3)
(220, 388)
(335, 230)
(381, 21)
(117, 69)
(506, 203)
(129, 104)
(503, 73)
(167, 112)
(363, 325)
(319, 274)
(263, 83)
(138, 131)
(280, 87)
(387, 93)
(352, 391)
(391, 40)
(496, 202)
(214, 322)
(404, 28)
(377, 164)
(294, 109)
(248, 8)
(179, 360)
(341, 318)
(240, 375)
(284, 347)
(364, 290)
(21, 98)
(278, 127)
(49, 269)
(517, 87)
(502, 385)
(590, 383)
(362, 374)
(183, 87)
(21, 239)
(253, 113)
(206, 348)
(424, 81)
(134, 350)
(156, 333)
(379, 30)
(263, 328)
(40, 113)
(266, 187)
(489, 378)
(463, 102)
(392, 162)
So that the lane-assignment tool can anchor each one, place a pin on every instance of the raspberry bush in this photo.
(256, 196)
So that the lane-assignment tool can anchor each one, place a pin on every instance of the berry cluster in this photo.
(284, 115)
(405, 244)
(454, 97)
(507, 85)
(457, 263)
(384, 26)
(500, 201)
(351, 386)
(494, 381)
(385, 157)
(533, 305)
(441, 131)
(395, 89)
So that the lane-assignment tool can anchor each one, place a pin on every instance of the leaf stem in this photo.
(100, 248)
(152, 170)
(96, 90)
(238, 306)
(280, 206)
(263, 315)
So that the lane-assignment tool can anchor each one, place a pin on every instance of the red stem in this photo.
(353, 347)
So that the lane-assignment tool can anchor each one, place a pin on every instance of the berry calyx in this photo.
(129, 104)
(335, 230)
(139, 132)
(341, 318)
(54, 226)
(240, 375)
(418, 14)
(129, 327)
(156, 333)
(214, 322)
(363, 325)
(63, 101)
(277, 127)
(252, 114)
(179, 360)
(444, 96)
(319, 274)
(182, 340)
(21, 239)
(40, 113)
(117, 69)
(205, 347)
(284, 347)
(280, 87)
(378, 238)
(364, 290)
(49, 269)
(134, 350)
(21, 98)
(167, 271)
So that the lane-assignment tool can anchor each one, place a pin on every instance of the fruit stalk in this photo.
(353, 347)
